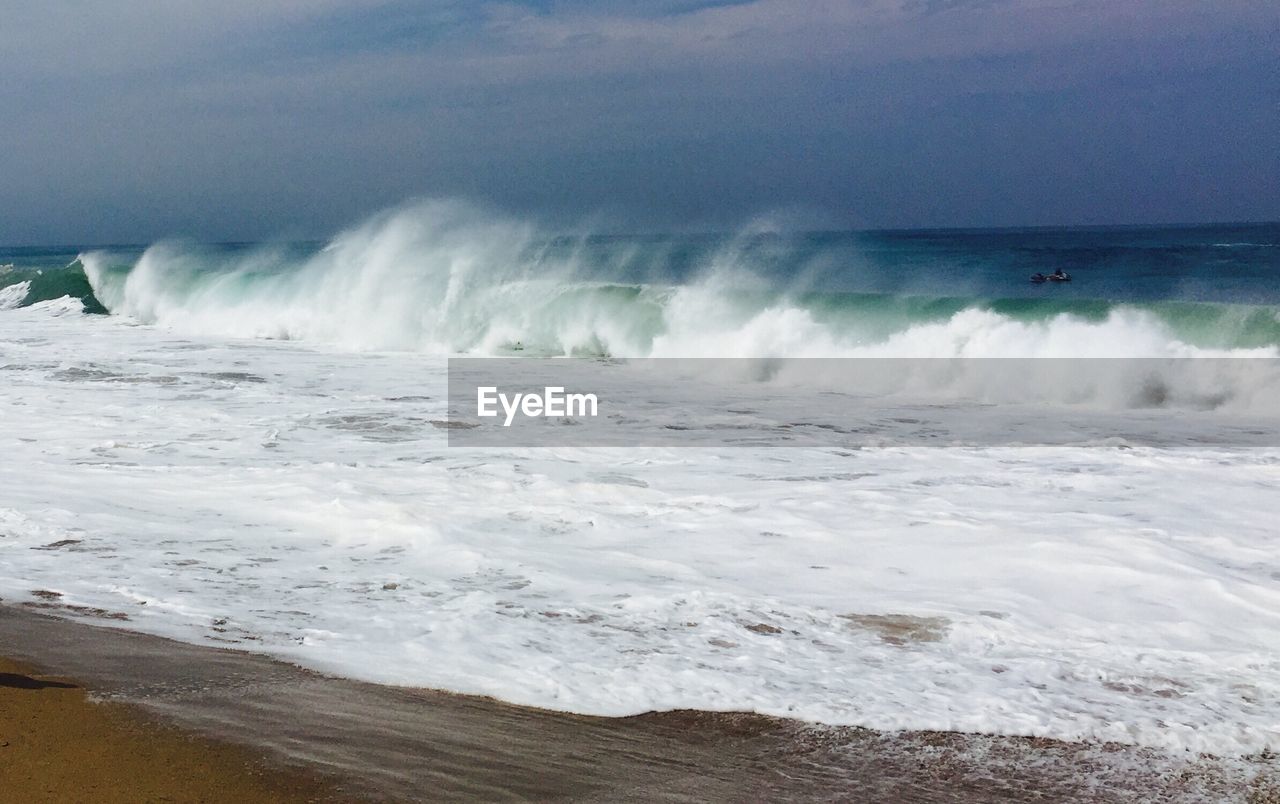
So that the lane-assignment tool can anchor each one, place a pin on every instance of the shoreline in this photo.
(396, 744)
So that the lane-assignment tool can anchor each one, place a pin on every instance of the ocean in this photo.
(247, 445)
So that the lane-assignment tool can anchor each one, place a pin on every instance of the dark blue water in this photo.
(1237, 264)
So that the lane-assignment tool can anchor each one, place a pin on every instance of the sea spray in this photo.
(443, 277)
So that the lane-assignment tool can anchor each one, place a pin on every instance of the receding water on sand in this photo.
(421, 745)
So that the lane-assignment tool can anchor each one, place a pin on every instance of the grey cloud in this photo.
(135, 120)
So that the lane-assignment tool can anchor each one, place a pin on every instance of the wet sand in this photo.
(389, 744)
(57, 745)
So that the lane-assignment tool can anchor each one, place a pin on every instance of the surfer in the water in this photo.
(1057, 276)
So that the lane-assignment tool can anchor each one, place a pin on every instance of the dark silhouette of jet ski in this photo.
(1057, 276)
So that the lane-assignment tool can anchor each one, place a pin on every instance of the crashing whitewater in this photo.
(444, 278)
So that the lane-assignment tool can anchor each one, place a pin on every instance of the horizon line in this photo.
(1042, 227)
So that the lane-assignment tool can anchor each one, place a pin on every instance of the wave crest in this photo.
(448, 278)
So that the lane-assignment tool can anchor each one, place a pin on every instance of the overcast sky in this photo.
(130, 120)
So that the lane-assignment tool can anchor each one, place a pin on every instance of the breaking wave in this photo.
(24, 288)
(445, 278)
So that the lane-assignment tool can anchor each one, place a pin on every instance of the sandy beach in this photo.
(57, 744)
(179, 722)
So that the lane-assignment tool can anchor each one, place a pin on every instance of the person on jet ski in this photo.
(1058, 274)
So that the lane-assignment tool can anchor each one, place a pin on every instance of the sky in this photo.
(132, 120)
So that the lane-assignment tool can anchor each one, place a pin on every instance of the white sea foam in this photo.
(12, 295)
(297, 498)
